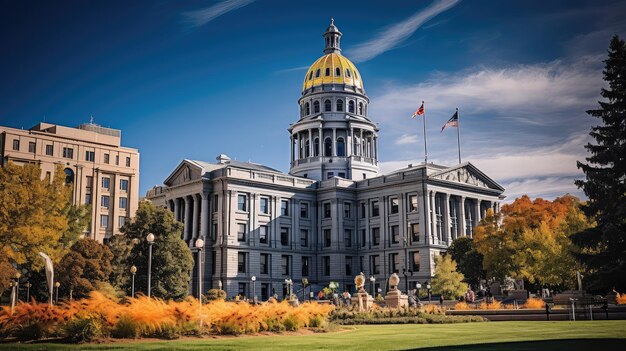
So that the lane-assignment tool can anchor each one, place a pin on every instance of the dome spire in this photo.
(332, 36)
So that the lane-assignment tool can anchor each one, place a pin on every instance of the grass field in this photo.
(510, 336)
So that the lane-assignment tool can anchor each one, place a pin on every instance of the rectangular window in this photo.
(375, 236)
(214, 233)
(304, 210)
(242, 201)
(326, 265)
(415, 233)
(394, 205)
(117, 160)
(305, 266)
(304, 237)
(32, 147)
(265, 291)
(121, 220)
(363, 214)
(285, 264)
(415, 261)
(412, 203)
(48, 176)
(106, 158)
(348, 265)
(104, 221)
(124, 184)
(123, 202)
(87, 199)
(263, 234)
(90, 156)
(347, 210)
(342, 175)
(284, 236)
(395, 234)
(326, 209)
(363, 237)
(213, 261)
(89, 182)
(241, 262)
(215, 202)
(327, 237)
(375, 211)
(394, 263)
(330, 175)
(348, 237)
(375, 263)
(241, 232)
(106, 183)
(284, 207)
(104, 201)
(127, 161)
(49, 150)
(242, 290)
(264, 205)
(265, 263)
(68, 152)
(16, 145)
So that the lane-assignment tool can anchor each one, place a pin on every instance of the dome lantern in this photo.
(332, 36)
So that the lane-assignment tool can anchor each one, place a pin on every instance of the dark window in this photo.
(68, 152)
(123, 202)
(412, 203)
(348, 73)
(263, 234)
(316, 147)
(304, 210)
(326, 265)
(375, 236)
(415, 232)
(351, 106)
(317, 73)
(284, 236)
(90, 156)
(395, 234)
(242, 201)
(49, 150)
(284, 207)
(415, 261)
(363, 237)
(328, 147)
(127, 161)
(341, 147)
(265, 263)
(316, 107)
(327, 106)
(305, 266)
(339, 105)
(87, 199)
(241, 232)
(348, 265)
(310, 75)
(374, 211)
(89, 181)
(394, 263)
(361, 108)
(215, 202)
(106, 158)
(69, 176)
(106, 183)
(327, 237)
(304, 237)
(307, 109)
(16, 145)
(375, 262)
(32, 147)
(338, 72)
(265, 205)
(104, 221)
(326, 209)
(124, 184)
(265, 291)
(330, 175)
(341, 174)
(285, 264)
(327, 71)
(241, 289)
(241, 262)
(348, 237)
(214, 233)
(393, 205)
(347, 210)
(363, 214)
(117, 160)
(121, 220)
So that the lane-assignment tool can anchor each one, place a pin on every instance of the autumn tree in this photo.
(602, 248)
(447, 280)
(172, 260)
(86, 264)
(469, 261)
(36, 215)
(497, 248)
(7, 273)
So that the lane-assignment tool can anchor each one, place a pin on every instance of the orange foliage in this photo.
(534, 303)
(621, 299)
(432, 309)
(495, 305)
(462, 306)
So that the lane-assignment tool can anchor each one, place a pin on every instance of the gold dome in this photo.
(332, 68)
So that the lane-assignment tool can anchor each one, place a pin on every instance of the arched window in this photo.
(311, 75)
(69, 176)
(341, 147)
(356, 75)
(307, 109)
(351, 106)
(316, 107)
(327, 71)
(316, 147)
(340, 105)
(327, 106)
(348, 73)
(328, 147)
(361, 108)
(338, 72)
(317, 73)
(307, 149)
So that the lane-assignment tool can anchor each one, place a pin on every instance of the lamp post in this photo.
(12, 284)
(150, 239)
(219, 284)
(199, 246)
(418, 287)
(28, 285)
(253, 288)
(289, 282)
(18, 275)
(305, 282)
(373, 280)
(133, 270)
(429, 291)
(56, 300)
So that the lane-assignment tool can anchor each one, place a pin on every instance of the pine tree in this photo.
(603, 248)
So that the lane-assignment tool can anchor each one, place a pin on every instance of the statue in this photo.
(394, 297)
(361, 299)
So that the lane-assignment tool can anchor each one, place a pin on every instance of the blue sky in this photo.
(197, 78)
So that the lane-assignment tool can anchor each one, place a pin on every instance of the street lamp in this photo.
(289, 282)
(12, 284)
(418, 287)
(17, 286)
(28, 286)
(305, 282)
(133, 270)
(219, 283)
(56, 285)
(429, 291)
(150, 239)
(373, 280)
(199, 246)
(135, 241)
(253, 288)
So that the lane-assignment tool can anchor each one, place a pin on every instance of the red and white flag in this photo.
(419, 111)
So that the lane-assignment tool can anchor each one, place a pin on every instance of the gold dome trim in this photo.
(332, 61)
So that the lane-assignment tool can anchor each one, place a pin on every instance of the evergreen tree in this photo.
(603, 248)
(469, 261)
(172, 260)
(447, 281)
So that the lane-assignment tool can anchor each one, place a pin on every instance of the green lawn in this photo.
(509, 336)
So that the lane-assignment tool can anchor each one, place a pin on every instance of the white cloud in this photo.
(391, 37)
(201, 17)
(406, 139)
(548, 188)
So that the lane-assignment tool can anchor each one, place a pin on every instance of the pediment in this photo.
(184, 173)
(467, 174)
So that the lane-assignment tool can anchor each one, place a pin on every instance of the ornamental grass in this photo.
(143, 316)
(534, 303)
(621, 299)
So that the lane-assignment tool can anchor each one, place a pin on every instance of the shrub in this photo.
(82, 330)
(317, 322)
(495, 305)
(291, 323)
(215, 294)
(34, 330)
(621, 299)
(462, 306)
(534, 303)
(432, 309)
(125, 328)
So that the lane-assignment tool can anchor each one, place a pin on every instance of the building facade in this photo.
(102, 173)
(333, 215)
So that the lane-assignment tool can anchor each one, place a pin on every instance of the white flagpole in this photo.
(425, 141)
(458, 132)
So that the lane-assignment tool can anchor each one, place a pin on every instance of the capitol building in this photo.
(333, 215)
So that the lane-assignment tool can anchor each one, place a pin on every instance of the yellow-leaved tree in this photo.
(447, 280)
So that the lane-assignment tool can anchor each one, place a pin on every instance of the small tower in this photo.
(333, 37)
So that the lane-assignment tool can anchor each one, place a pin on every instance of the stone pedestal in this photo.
(395, 299)
(366, 301)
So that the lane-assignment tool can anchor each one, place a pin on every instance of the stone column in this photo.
(176, 209)
(425, 206)
(334, 153)
(349, 142)
(291, 145)
(447, 235)
(433, 216)
(310, 143)
(477, 218)
(480, 210)
(186, 219)
(462, 217)
(320, 133)
(361, 144)
(196, 211)
(204, 216)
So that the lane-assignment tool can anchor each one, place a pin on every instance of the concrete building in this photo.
(103, 173)
(333, 215)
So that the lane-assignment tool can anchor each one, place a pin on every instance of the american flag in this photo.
(419, 112)
(452, 122)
